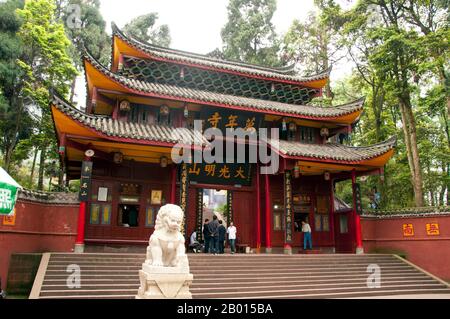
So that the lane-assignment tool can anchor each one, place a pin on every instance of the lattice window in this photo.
(172, 74)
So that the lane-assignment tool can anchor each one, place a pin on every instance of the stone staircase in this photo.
(107, 276)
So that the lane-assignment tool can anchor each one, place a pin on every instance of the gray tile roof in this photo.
(48, 198)
(143, 132)
(178, 56)
(170, 91)
(336, 152)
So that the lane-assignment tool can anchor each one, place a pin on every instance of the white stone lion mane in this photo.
(167, 245)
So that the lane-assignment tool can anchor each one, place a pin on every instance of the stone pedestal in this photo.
(164, 283)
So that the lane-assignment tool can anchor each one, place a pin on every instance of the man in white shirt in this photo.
(232, 231)
(306, 229)
(194, 244)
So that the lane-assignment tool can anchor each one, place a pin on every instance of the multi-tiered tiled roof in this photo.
(266, 90)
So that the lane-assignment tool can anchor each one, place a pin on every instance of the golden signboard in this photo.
(408, 230)
(433, 229)
(10, 220)
(156, 197)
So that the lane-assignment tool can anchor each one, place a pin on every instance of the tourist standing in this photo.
(306, 229)
(213, 228)
(222, 233)
(206, 235)
(232, 232)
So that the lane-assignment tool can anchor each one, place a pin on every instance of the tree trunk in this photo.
(418, 186)
(12, 146)
(41, 170)
(409, 129)
(33, 167)
(61, 175)
(72, 90)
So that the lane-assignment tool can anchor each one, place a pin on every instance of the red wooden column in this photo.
(356, 219)
(81, 230)
(173, 186)
(268, 216)
(258, 208)
(332, 225)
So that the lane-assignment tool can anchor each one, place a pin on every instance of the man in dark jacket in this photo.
(213, 228)
(206, 235)
(222, 233)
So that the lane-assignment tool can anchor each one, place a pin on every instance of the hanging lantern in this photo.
(325, 132)
(327, 175)
(125, 106)
(163, 161)
(296, 171)
(182, 74)
(292, 127)
(284, 125)
(186, 111)
(118, 158)
(272, 88)
(164, 110)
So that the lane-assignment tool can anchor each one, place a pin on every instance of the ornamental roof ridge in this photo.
(170, 91)
(282, 73)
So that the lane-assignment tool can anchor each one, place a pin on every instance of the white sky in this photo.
(195, 25)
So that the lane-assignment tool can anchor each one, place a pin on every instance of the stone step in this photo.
(288, 291)
(241, 286)
(295, 296)
(235, 268)
(237, 292)
(243, 276)
(254, 281)
(240, 276)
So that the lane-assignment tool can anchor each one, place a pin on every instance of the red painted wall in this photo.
(431, 253)
(39, 228)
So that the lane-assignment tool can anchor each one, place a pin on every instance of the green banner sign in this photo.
(8, 197)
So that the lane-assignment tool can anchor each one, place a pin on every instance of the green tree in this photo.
(46, 65)
(144, 28)
(85, 27)
(14, 118)
(249, 34)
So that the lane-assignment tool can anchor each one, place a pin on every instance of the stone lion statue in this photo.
(166, 246)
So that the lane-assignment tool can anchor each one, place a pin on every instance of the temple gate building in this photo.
(146, 103)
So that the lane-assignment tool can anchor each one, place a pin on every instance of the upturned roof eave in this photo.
(243, 69)
(348, 109)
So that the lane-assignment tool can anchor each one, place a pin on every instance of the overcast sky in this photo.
(195, 25)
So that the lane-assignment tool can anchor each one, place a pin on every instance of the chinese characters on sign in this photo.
(288, 208)
(9, 220)
(229, 207)
(85, 183)
(433, 229)
(6, 199)
(227, 119)
(199, 214)
(223, 174)
(408, 230)
(184, 182)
